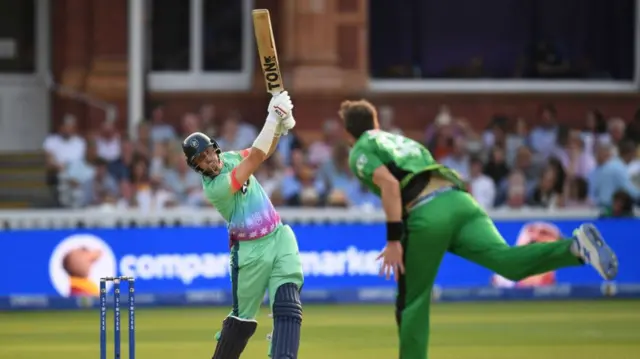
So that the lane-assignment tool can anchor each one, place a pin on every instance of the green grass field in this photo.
(585, 330)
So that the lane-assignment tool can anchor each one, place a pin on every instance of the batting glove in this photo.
(280, 106)
(285, 125)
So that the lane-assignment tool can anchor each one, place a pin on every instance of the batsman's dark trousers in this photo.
(453, 221)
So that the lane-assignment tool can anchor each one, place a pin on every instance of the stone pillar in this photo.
(90, 55)
(107, 77)
(70, 39)
(325, 45)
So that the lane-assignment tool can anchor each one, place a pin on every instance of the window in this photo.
(200, 45)
(222, 35)
(170, 35)
(17, 36)
(504, 42)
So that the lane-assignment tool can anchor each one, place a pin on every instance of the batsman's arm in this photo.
(262, 148)
(274, 146)
(279, 108)
(391, 202)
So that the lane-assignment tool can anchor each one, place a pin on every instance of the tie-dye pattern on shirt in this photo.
(248, 212)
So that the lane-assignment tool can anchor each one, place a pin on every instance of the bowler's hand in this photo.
(392, 260)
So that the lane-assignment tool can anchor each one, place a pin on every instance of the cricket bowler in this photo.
(428, 213)
(264, 252)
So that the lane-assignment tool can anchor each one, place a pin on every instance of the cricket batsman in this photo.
(264, 252)
(428, 213)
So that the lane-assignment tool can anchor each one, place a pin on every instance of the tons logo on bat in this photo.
(267, 50)
(271, 73)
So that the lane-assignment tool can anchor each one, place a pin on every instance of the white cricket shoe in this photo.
(591, 248)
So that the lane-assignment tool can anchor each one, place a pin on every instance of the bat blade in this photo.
(267, 51)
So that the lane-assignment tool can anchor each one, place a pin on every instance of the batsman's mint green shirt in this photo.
(248, 212)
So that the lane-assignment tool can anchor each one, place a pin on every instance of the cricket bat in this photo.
(267, 51)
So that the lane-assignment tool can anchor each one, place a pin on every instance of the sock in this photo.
(575, 248)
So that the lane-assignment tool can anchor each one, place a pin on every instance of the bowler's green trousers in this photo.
(453, 221)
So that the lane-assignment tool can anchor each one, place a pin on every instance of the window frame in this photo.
(516, 85)
(41, 74)
(196, 79)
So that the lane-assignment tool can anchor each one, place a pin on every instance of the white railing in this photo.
(110, 218)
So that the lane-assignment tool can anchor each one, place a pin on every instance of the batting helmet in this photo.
(195, 144)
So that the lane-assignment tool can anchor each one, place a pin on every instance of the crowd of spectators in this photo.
(508, 166)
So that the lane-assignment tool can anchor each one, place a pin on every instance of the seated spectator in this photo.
(575, 160)
(286, 146)
(61, 149)
(153, 197)
(236, 135)
(386, 116)
(562, 139)
(299, 187)
(516, 139)
(127, 196)
(616, 127)
(482, 186)
(528, 164)
(458, 159)
(143, 144)
(103, 188)
(621, 206)
(496, 167)
(360, 197)
(440, 135)
(577, 194)
(160, 130)
(208, 115)
(611, 175)
(516, 193)
(595, 130)
(109, 144)
(341, 184)
(309, 193)
(189, 124)
(121, 168)
(320, 151)
(337, 199)
(74, 179)
(183, 182)
(473, 140)
(140, 175)
(628, 155)
(335, 172)
(633, 130)
(545, 194)
(162, 158)
(495, 135)
(560, 174)
(543, 137)
(443, 123)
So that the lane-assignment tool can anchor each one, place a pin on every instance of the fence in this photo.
(108, 218)
(180, 257)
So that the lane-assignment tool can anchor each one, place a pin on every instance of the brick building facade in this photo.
(323, 50)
